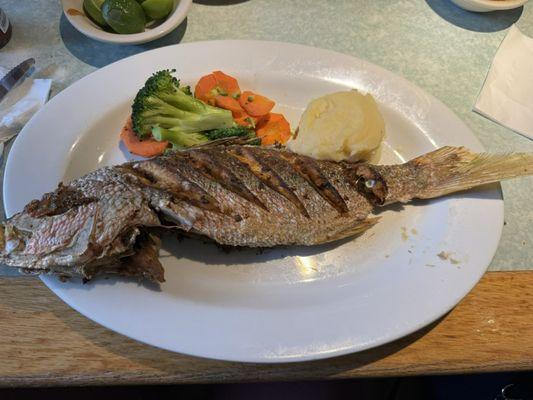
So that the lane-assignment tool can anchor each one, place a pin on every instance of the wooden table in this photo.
(44, 342)
(433, 44)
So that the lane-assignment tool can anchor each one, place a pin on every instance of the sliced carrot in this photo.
(261, 120)
(229, 103)
(214, 84)
(255, 104)
(205, 89)
(145, 148)
(227, 83)
(245, 120)
(274, 129)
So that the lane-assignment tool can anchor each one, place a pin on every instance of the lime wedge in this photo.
(93, 9)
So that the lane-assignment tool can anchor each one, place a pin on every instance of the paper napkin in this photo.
(507, 94)
(20, 104)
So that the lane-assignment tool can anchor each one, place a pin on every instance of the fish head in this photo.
(92, 221)
(368, 181)
(39, 241)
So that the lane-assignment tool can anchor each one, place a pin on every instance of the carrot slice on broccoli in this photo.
(274, 129)
(255, 104)
(144, 148)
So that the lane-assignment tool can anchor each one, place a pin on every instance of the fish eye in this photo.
(370, 183)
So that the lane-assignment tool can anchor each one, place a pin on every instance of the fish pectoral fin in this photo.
(354, 230)
(145, 262)
(142, 261)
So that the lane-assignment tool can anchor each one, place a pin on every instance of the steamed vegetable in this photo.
(254, 104)
(250, 110)
(148, 147)
(234, 131)
(165, 114)
(229, 103)
(209, 87)
(273, 129)
(163, 103)
(180, 139)
(228, 84)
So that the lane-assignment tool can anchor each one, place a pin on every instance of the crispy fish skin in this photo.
(269, 219)
(237, 196)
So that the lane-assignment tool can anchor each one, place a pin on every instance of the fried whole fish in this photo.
(106, 221)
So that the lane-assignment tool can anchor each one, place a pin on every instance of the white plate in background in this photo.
(489, 5)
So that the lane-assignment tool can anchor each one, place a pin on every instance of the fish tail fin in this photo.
(453, 169)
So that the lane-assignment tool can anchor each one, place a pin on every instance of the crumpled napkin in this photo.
(507, 94)
(20, 104)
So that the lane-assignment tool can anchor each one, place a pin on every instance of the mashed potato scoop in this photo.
(340, 126)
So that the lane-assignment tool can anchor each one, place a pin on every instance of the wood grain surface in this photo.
(44, 342)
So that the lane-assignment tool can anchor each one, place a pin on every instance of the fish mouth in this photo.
(137, 258)
(10, 240)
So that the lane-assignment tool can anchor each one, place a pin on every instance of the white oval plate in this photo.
(287, 304)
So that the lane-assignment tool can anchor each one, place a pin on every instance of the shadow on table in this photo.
(100, 54)
(478, 22)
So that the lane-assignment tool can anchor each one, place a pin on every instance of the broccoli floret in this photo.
(186, 90)
(162, 102)
(181, 139)
(234, 131)
(178, 138)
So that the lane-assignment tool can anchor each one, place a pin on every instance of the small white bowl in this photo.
(489, 5)
(84, 25)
